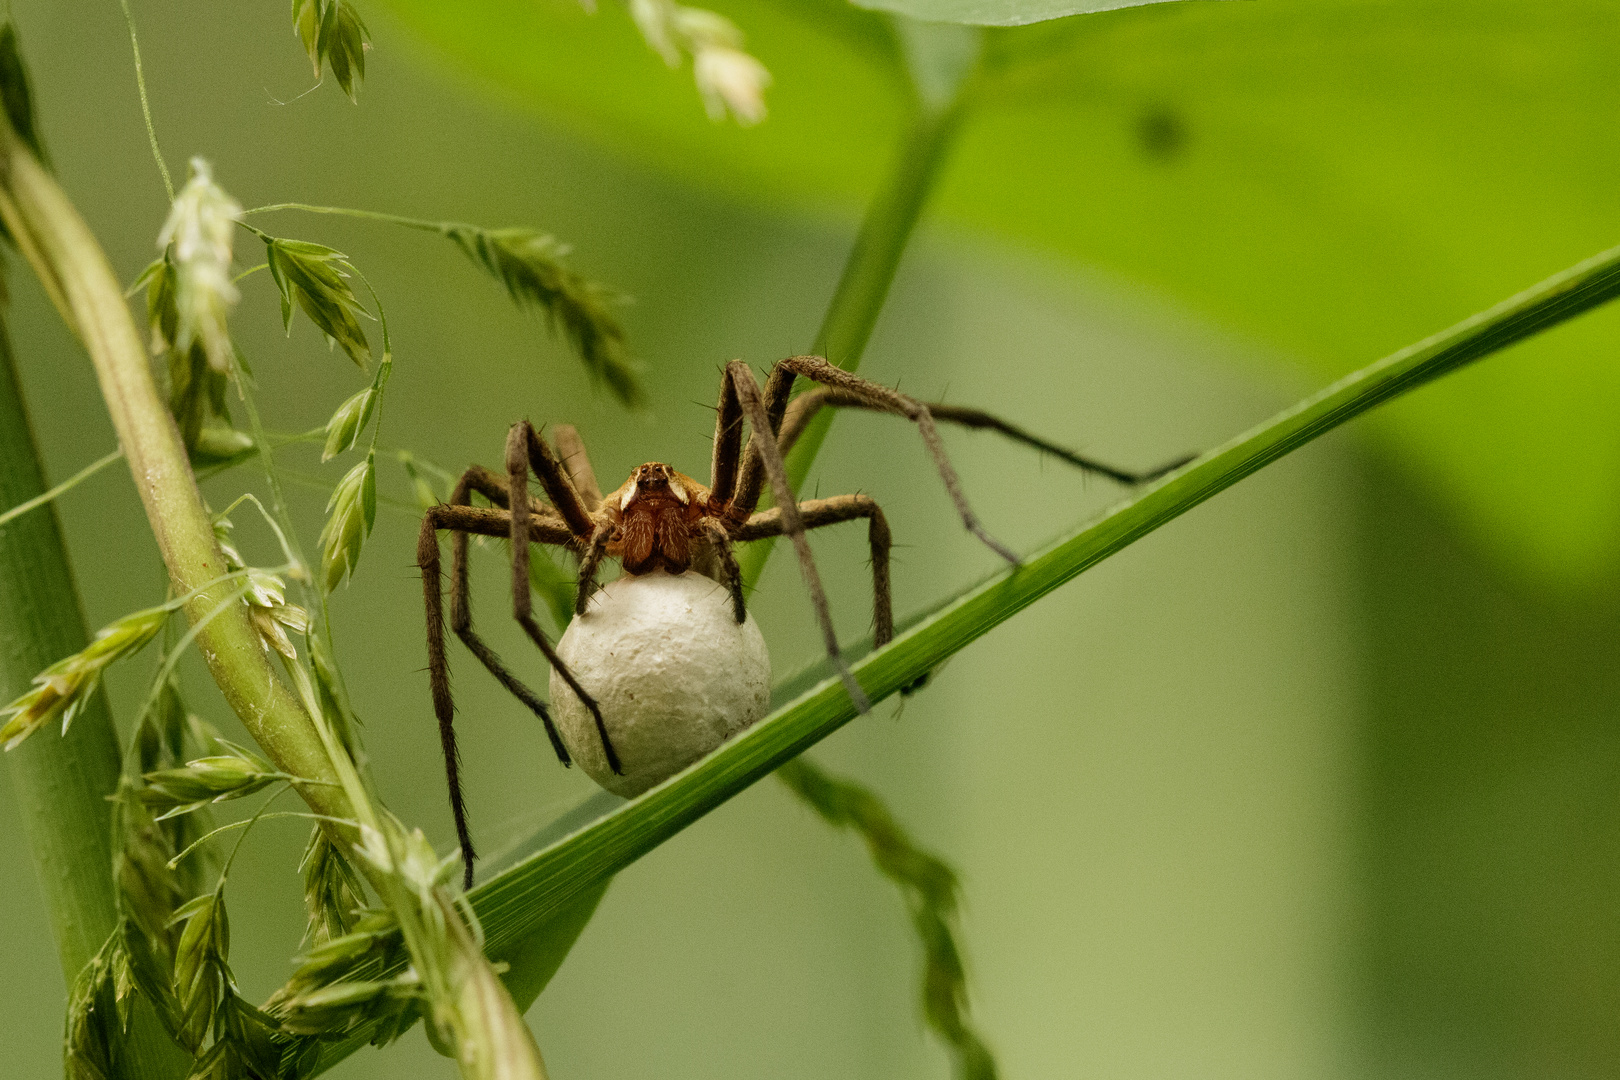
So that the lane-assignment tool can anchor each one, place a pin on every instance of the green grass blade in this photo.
(61, 782)
(528, 894)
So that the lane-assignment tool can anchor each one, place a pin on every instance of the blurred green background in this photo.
(1319, 780)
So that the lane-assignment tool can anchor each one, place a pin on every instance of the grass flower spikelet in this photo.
(730, 80)
(350, 514)
(317, 278)
(529, 263)
(333, 34)
(344, 428)
(64, 687)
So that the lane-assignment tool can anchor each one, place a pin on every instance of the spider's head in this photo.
(657, 481)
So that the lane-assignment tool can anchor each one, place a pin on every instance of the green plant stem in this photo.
(890, 220)
(64, 251)
(61, 783)
(864, 287)
(527, 895)
(868, 273)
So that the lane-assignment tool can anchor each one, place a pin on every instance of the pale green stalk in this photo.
(146, 107)
(60, 489)
(365, 215)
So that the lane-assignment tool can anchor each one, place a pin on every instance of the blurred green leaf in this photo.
(1332, 176)
(999, 12)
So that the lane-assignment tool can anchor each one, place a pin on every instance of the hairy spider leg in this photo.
(806, 405)
(462, 520)
(740, 378)
(595, 548)
(816, 513)
(780, 386)
(817, 369)
(525, 449)
(751, 479)
(728, 446)
(720, 539)
(571, 448)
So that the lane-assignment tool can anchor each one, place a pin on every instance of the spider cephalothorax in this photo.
(664, 520)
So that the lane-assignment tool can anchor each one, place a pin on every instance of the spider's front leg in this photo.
(816, 513)
(804, 408)
(741, 396)
(462, 519)
(881, 398)
(525, 448)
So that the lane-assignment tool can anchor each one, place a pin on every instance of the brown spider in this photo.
(663, 519)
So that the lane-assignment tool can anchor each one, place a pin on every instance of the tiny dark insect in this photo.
(661, 519)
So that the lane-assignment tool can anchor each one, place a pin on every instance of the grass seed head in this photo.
(332, 890)
(62, 689)
(333, 34)
(344, 428)
(317, 279)
(350, 514)
(731, 81)
(200, 972)
(529, 263)
(94, 1030)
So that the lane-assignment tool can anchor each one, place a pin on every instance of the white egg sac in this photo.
(672, 671)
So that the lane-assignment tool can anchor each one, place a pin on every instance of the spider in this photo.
(660, 519)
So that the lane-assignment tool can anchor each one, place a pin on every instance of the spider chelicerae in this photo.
(660, 519)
